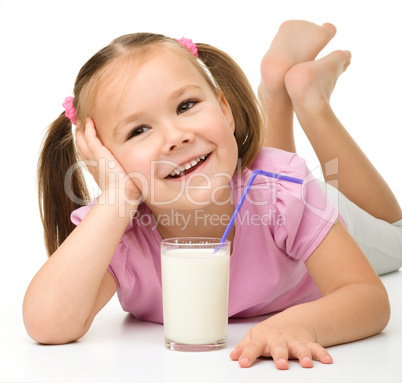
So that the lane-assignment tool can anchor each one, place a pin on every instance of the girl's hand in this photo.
(103, 166)
(282, 341)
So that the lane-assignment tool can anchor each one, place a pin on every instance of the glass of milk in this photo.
(195, 285)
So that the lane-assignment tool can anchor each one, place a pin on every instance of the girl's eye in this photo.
(184, 106)
(137, 131)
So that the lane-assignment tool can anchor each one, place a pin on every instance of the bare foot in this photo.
(296, 41)
(310, 84)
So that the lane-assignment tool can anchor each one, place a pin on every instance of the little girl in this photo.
(171, 131)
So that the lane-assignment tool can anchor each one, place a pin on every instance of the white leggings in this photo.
(380, 241)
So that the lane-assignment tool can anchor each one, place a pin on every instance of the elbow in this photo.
(42, 335)
(386, 313)
(44, 329)
(382, 310)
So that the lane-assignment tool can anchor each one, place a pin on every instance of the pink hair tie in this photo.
(189, 45)
(69, 109)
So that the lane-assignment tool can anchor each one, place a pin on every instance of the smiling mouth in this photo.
(188, 167)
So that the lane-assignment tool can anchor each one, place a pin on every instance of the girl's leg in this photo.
(295, 42)
(380, 241)
(310, 86)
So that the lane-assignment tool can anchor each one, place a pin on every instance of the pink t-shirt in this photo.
(279, 226)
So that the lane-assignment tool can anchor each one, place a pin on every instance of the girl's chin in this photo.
(195, 193)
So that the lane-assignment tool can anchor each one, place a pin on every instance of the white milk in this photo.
(195, 286)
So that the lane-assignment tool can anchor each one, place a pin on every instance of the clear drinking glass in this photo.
(195, 285)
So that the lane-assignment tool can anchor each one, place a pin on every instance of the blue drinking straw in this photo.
(255, 173)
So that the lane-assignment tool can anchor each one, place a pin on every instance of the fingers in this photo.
(280, 354)
(82, 147)
(247, 354)
(94, 155)
(82, 137)
(303, 354)
(236, 354)
(247, 351)
(321, 354)
(89, 146)
(93, 142)
(308, 352)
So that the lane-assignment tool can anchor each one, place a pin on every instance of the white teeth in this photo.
(187, 165)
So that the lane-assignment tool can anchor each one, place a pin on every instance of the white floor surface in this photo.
(119, 348)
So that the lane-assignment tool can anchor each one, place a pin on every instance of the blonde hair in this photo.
(59, 153)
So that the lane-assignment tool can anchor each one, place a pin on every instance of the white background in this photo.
(43, 44)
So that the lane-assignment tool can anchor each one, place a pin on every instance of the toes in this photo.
(348, 58)
(330, 28)
(338, 60)
(312, 83)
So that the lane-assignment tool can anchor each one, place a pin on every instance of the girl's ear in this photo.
(226, 110)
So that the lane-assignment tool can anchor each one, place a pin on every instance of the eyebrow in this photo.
(183, 90)
(175, 94)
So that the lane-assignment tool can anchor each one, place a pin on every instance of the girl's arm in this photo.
(74, 284)
(354, 306)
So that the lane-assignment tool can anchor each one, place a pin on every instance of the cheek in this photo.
(227, 141)
(232, 154)
(136, 167)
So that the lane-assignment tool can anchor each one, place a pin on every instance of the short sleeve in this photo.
(79, 214)
(307, 210)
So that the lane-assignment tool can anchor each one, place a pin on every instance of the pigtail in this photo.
(58, 155)
(234, 84)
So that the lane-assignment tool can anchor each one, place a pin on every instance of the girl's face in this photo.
(173, 135)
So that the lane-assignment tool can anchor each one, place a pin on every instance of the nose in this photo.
(176, 137)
